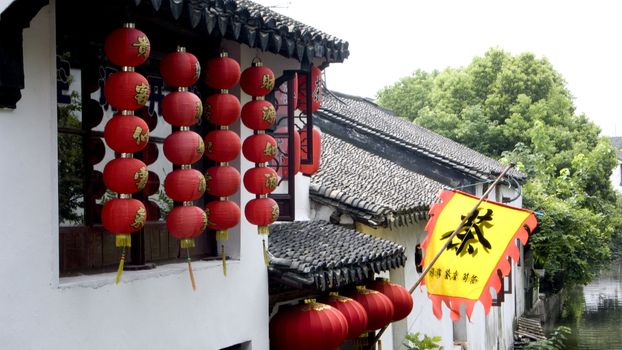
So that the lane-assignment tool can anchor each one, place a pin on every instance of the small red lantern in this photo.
(399, 296)
(222, 181)
(310, 326)
(283, 146)
(257, 80)
(127, 46)
(180, 68)
(126, 90)
(316, 90)
(222, 145)
(126, 133)
(353, 311)
(184, 185)
(222, 215)
(123, 216)
(222, 109)
(222, 72)
(260, 180)
(378, 306)
(186, 222)
(310, 169)
(258, 114)
(182, 108)
(262, 212)
(259, 148)
(125, 175)
(183, 147)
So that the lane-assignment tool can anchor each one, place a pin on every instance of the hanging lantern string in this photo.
(449, 240)
(120, 269)
(192, 281)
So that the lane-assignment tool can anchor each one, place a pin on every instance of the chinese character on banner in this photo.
(479, 249)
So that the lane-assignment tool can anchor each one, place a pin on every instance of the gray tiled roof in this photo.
(616, 141)
(364, 115)
(369, 186)
(319, 255)
(255, 25)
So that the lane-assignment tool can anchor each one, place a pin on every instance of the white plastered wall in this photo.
(153, 309)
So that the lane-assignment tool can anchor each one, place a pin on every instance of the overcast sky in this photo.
(392, 38)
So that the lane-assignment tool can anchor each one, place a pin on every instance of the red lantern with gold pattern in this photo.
(182, 108)
(316, 90)
(222, 215)
(353, 311)
(283, 146)
(310, 169)
(127, 46)
(257, 80)
(378, 306)
(262, 212)
(222, 145)
(222, 181)
(310, 326)
(126, 90)
(183, 147)
(258, 114)
(222, 109)
(123, 215)
(185, 222)
(125, 175)
(222, 72)
(260, 180)
(180, 68)
(399, 296)
(184, 185)
(259, 148)
(126, 133)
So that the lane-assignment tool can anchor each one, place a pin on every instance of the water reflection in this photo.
(594, 313)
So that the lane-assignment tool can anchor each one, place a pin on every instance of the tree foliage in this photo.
(517, 108)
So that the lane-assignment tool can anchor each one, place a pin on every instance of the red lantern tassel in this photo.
(120, 269)
(192, 281)
(266, 259)
(223, 235)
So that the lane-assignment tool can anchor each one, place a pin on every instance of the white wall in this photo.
(153, 309)
(616, 177)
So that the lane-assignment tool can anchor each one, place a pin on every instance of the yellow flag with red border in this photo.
(476, 260)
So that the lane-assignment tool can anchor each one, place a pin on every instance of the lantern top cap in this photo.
(257, 62)
(310, 301)
(333, 294)
(181, 49)
(223, 53)
(383, 279)
(129, 25)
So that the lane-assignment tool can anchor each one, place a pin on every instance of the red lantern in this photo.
(311, 326)
(127, 47)
(316, 90)
(182, 108)
(222, 109)
(262, 212)
(222, 215)
(184, 185)
(126, 133)
(260, 180)
(180, 68)
(125, 175)
(283, 156)
(183, 147)
(185, 222)
(257, 80)
(379, 307)
(222, 145)
(126, 90)
(222, 181)
(153, 184)
(354, 313)
(222, 72)
(399, 296)
(258, 114)
(123, 216)
(259, 148)
(310, 169)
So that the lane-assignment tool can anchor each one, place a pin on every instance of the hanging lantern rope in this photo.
(126, 134)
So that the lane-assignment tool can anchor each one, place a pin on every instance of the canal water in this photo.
(594, 313)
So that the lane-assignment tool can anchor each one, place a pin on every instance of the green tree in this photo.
(70, 164)
(517, 108)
